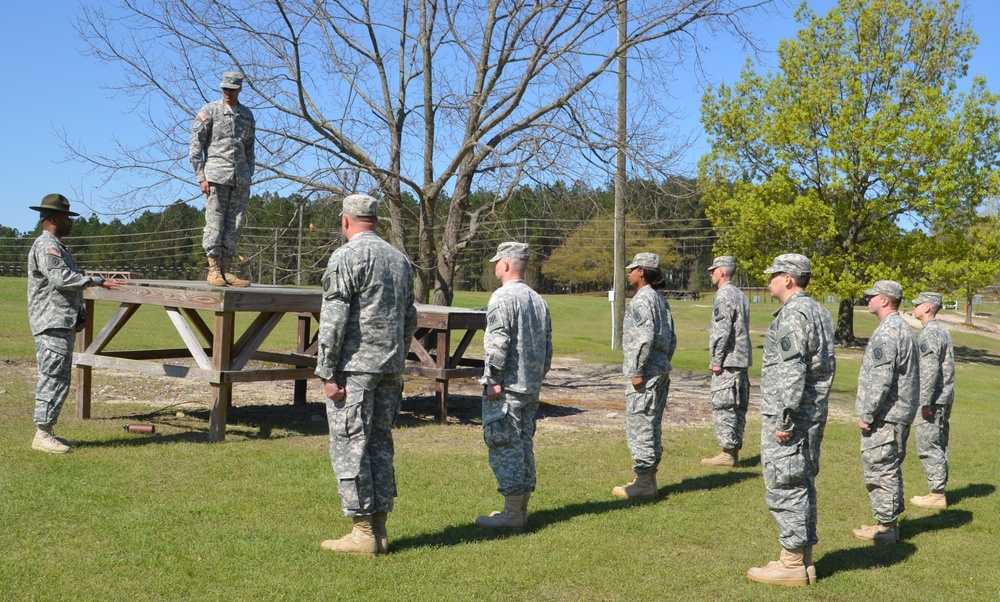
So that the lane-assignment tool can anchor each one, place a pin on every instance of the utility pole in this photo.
(618, 297)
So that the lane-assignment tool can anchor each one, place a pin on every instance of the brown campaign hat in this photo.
(55, 202)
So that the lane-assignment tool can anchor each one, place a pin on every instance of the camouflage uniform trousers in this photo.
(361, 448)
(790, 471)
(730, 398)
(54, 355)
(932, 445)
(883, 450)
(225, 213)
(508, 430)
(644, 422)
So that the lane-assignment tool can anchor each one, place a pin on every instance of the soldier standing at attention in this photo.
(937, 392)
(648, 345)
(888, 395)
(517, 353)
(797, 369)
(222, 154)
(56, 314)
(366, 324)
(730, 352)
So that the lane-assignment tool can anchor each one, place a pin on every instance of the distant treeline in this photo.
(287, 240)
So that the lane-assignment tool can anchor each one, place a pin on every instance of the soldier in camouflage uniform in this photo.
(56, 313)
(888, 395)
(366, 325)
(648, 345)
(518, 353)
(730, 355)
(222, 154)
(797, 370)
(937, 392)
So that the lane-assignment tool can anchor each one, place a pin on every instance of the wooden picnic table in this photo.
(222, 357)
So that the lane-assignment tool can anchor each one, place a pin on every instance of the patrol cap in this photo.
(790, 263)
(723, 261)
(232, 80)
(888, 288)
(644, 260)
(55, 202)
(512, 250)
(360, 205)
(928, 297)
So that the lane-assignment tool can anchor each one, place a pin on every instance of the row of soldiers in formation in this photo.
(368, 318)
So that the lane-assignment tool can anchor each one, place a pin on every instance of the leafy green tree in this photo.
(860, 137)
(965, 262)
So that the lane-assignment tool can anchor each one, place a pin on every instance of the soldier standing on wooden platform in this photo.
(222, 154)
(367, 321)
(56, 314)
(730, 356)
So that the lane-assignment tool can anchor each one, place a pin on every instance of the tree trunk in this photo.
(845, 323)
(968, 310)
(451, 239)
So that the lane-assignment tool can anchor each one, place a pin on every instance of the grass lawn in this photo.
(170, 517)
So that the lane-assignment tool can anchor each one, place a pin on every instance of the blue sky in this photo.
(52, 87)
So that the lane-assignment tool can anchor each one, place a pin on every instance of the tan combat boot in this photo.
(512, 517)
(880, 533)
(807, 559)
(47, 442)
(643, 487)
(215, 277)
(728, 458)
(232, 279)
(361, 540)
(378, 529)
(789, 569)
(934, 500)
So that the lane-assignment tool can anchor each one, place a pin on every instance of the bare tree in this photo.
(426, 97)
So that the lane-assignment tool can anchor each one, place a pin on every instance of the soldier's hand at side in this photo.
(782, 436)
(927, 412)
(638, 382)
(493, 392)
(205, 187)
(333, 390)
(864, 426)
(716, 370)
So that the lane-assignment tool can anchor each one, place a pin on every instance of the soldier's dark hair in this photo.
(894, 303)
(654, 277)
(801, 281)
(46, 214)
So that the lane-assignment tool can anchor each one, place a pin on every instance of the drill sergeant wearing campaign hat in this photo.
(887, 400)
(367, 320)
(648, 344)
(797, 370)
(730, 355)
(55, 313)
(937, 392)
(517, 353)
(222, 155)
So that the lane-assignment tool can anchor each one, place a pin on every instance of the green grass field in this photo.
(170, 517)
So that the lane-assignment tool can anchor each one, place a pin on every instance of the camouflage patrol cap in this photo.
(360, 205)
(644, 260)
(512, 250)
(232, 80)
(723, 261)
(790, 263)
(55, 202)
(887, 288)
(928, 297)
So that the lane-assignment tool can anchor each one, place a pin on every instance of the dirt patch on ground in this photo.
(576, 395)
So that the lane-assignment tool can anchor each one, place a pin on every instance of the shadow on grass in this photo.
(976, 356)
(470, 533)
(751, 462)
(853, 559)
(970, 490)
(466, 410)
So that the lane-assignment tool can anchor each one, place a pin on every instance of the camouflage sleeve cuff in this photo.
(867, 419)
(786, 424)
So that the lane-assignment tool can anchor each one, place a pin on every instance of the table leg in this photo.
(441, 394)
(222, 393)
(301, 344)
(84, 374)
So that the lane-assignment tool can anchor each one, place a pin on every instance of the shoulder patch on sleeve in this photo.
(716, 313)
(202, 116)
(925, 349)
(55, 252)
(326, 284)
(880, 356)
(55, 262)
(788, 346)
